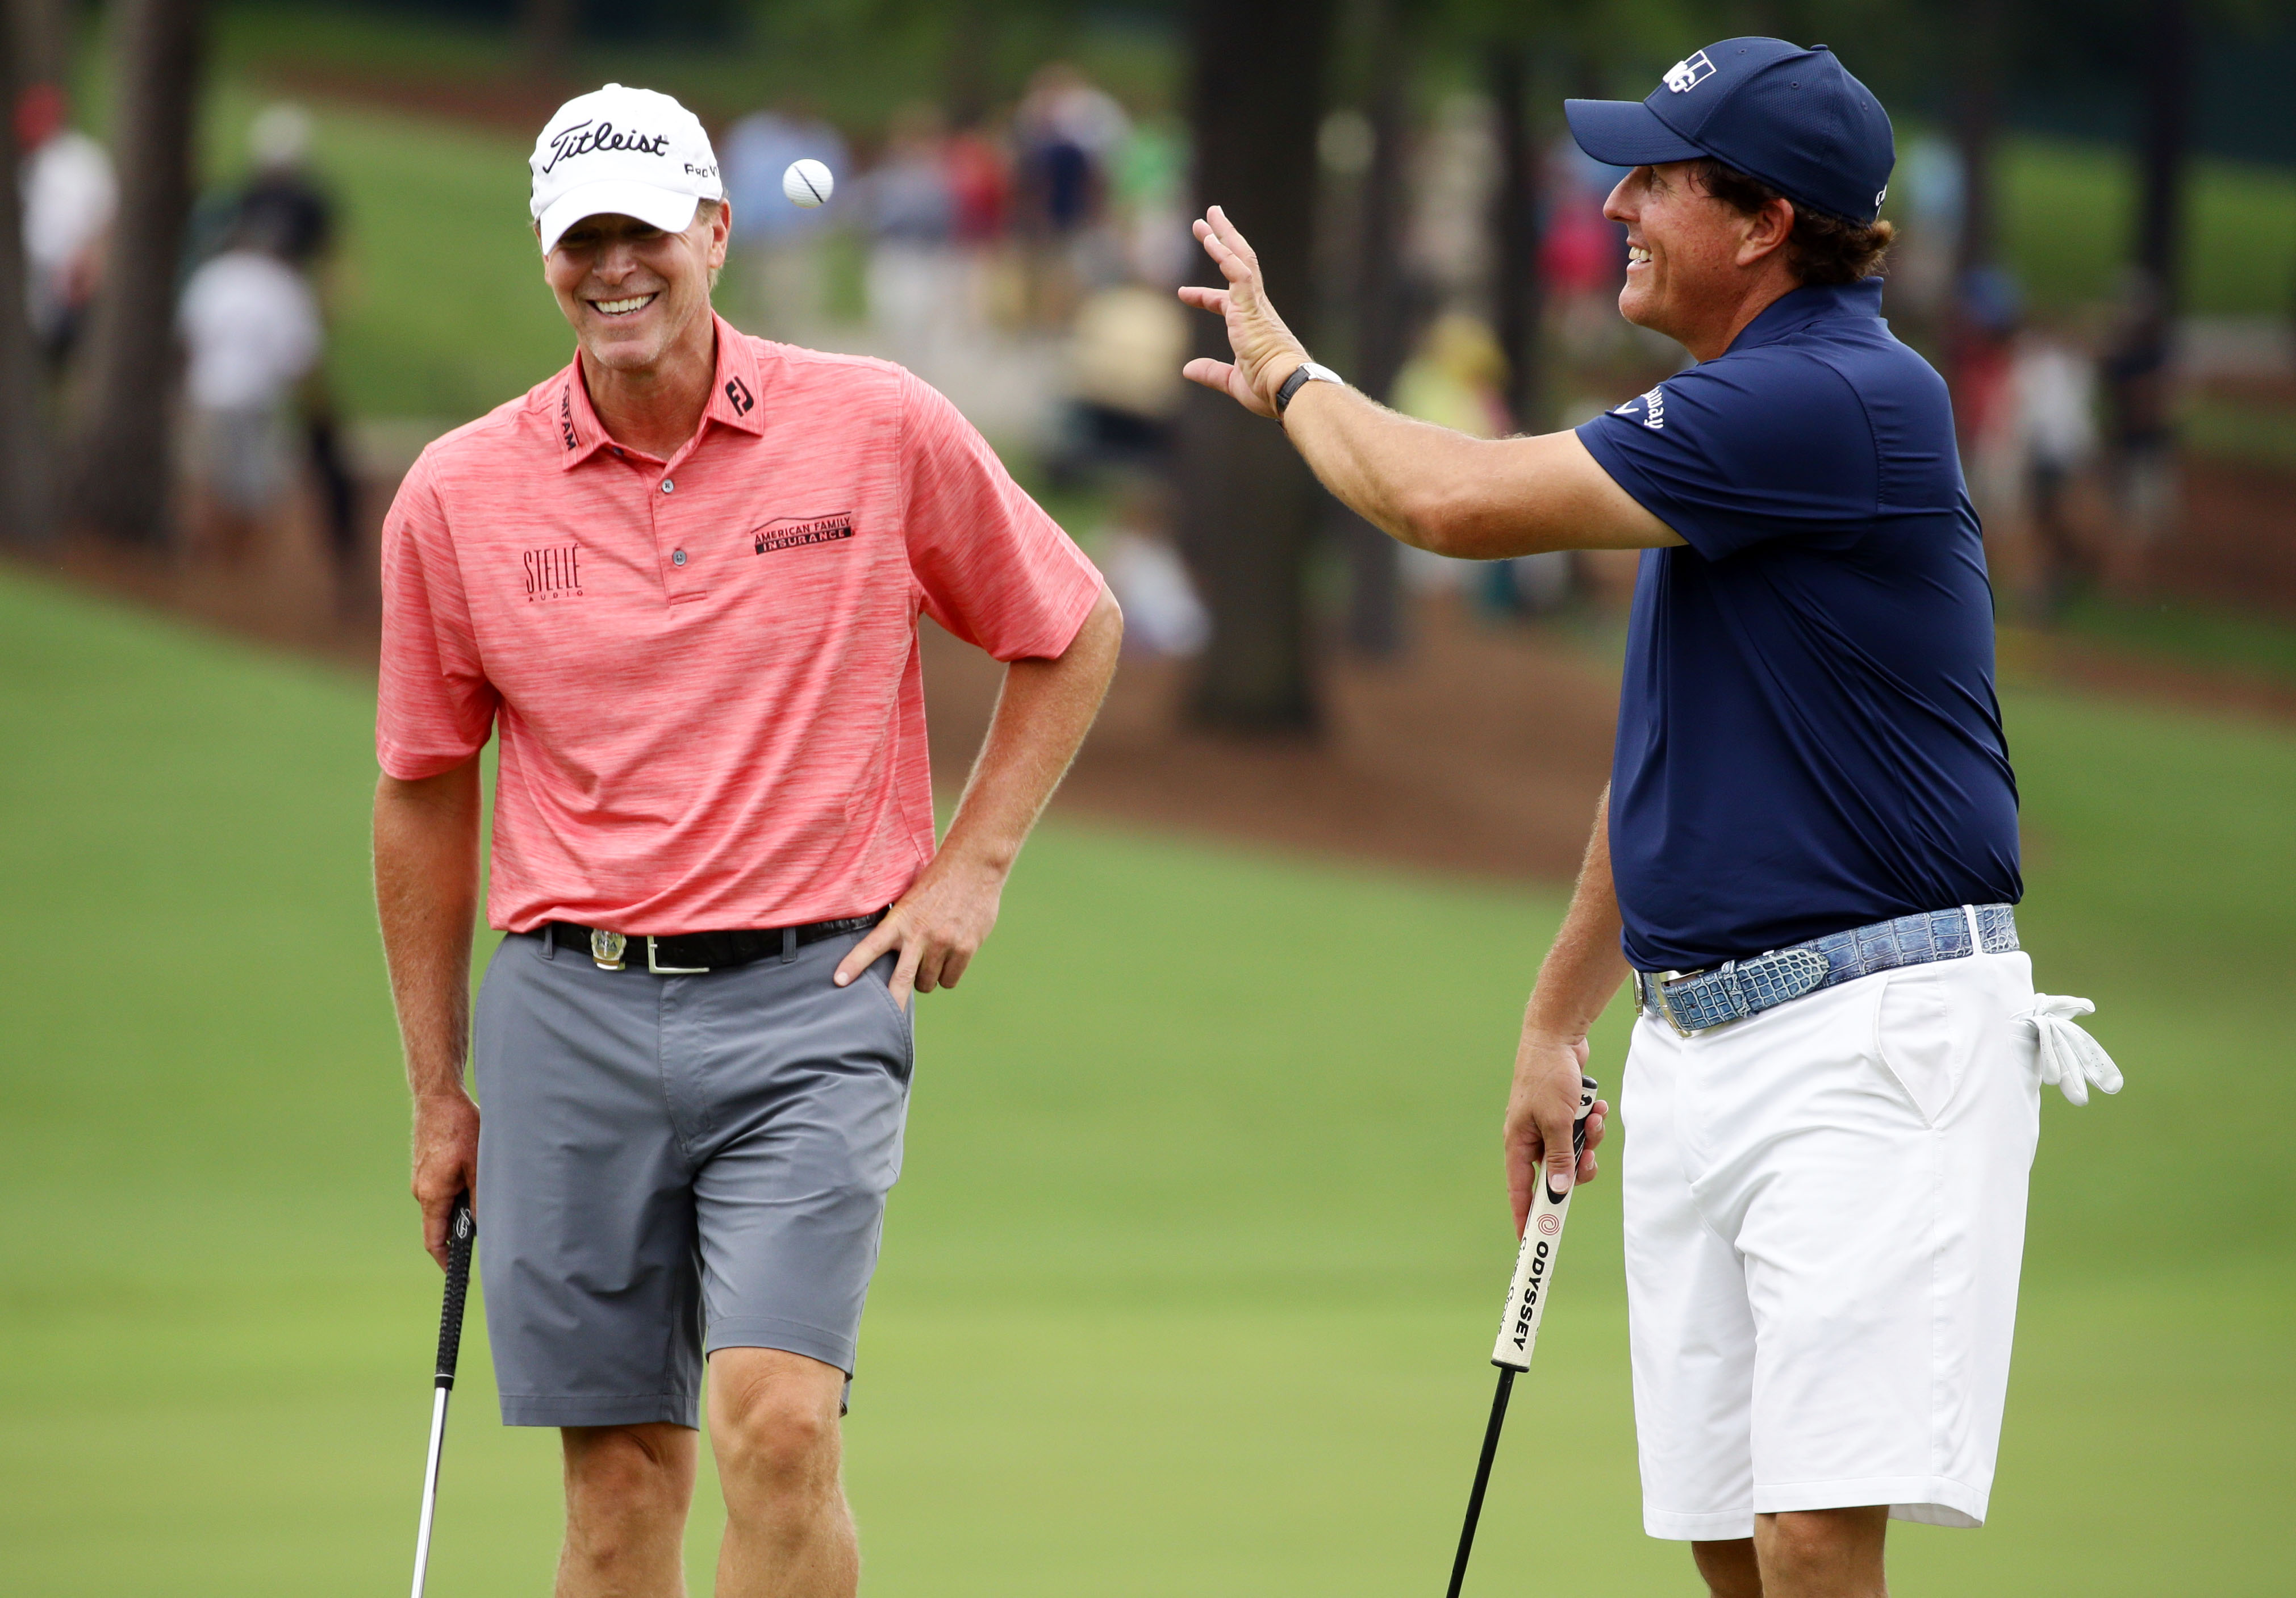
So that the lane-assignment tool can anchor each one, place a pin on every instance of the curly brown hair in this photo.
(1821, 249)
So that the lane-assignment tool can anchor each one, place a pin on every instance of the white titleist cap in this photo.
(631, 152)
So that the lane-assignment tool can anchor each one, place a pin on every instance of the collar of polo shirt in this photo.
(734, 400)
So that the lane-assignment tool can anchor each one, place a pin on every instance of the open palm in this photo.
(1265, 352)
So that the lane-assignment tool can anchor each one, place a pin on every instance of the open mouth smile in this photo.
(1636, 255)
(623, 308)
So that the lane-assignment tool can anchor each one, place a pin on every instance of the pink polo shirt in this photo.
(705, 671)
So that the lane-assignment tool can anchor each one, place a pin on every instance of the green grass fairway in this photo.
(1190, 1285)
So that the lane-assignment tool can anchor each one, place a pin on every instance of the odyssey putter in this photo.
(1526, 1305)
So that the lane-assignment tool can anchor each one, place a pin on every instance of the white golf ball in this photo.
(807, 182)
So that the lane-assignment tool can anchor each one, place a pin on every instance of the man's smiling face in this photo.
(1688, 254)
(630, 291)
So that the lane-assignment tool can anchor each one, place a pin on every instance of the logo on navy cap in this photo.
(1684, 75)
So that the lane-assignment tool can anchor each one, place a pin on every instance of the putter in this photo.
(1526, 1305)
(461, 1233)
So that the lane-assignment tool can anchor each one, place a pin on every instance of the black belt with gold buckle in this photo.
(691, 954)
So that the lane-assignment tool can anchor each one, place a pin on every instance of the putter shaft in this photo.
(430, 1486)
(1482, 1478)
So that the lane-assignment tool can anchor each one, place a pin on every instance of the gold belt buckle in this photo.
(606, 948)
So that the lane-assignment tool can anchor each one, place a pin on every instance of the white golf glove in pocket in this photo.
(2069, 1057)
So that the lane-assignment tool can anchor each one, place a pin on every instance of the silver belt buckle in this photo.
(1655, 986)
(659, 969)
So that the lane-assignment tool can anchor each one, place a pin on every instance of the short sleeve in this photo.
(993, 568)
(1772, 443)
(434, 707)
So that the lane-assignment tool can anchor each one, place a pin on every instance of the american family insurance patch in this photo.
(790, 532)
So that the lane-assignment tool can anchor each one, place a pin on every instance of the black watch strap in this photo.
(1304, 373)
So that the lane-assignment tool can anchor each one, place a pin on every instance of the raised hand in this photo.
(1265, 351)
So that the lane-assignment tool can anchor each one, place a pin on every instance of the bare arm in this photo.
(1043, 713)
(426, 891)
(1480, 499)
(1576, 981)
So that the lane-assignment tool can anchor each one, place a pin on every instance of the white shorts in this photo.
(1825, 1219)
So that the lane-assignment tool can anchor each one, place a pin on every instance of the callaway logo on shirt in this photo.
(1653, 406)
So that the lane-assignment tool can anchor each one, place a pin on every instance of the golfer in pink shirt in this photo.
(679, 581)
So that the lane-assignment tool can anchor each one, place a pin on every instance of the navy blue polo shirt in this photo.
(1808, 738)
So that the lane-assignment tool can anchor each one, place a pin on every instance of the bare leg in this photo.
(628, 1488)
(1729, 1568)
(774, 1425)
(1823, 1553)
(1802, 1554)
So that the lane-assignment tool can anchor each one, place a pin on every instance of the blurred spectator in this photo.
(1457, 378)
(1582, 255)
(1162, 614)
(285, 205)
(1931, 192)
(1068, 131)
(250, 327)
(1124, 382)
(2053, 390)
(1149, 186)
(2140, 397)
(916, 280)
(1980, 334)
(776, 245)
(70, 196)
(980, 186)
(980, 170)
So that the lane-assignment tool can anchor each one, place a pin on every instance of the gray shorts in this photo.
(669, 1166)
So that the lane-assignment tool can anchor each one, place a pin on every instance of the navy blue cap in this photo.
(1794, 117)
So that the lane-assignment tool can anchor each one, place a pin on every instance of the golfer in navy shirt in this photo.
(1806, 859)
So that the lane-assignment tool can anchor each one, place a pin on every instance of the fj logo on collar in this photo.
(1687, 75)
(737, 395)
(606, 948)
(790, 531)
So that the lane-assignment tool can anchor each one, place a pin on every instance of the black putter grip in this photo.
(1588, 1088)
(462, 1234)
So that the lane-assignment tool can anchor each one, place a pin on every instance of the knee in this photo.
(1837, 1544)
(630, 1470)
(775, 1436)
(1728, 1567)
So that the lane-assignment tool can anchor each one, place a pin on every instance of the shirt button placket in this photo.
(680, 562)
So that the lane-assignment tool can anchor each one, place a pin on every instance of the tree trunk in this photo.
(23, 424)
(1382, 319)
(547, 27)
(1515, 305)
(1976, 122)
(41, 33)
(1246, 503)
(123, 465)
(2168, 125)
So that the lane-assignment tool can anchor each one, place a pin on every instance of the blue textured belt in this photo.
(1694, 1001)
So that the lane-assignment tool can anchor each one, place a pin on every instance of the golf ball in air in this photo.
(807, 182)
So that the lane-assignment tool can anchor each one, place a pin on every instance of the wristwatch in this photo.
(1307, 371)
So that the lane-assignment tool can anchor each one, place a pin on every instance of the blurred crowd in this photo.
(250, 320)
(1024, 257)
